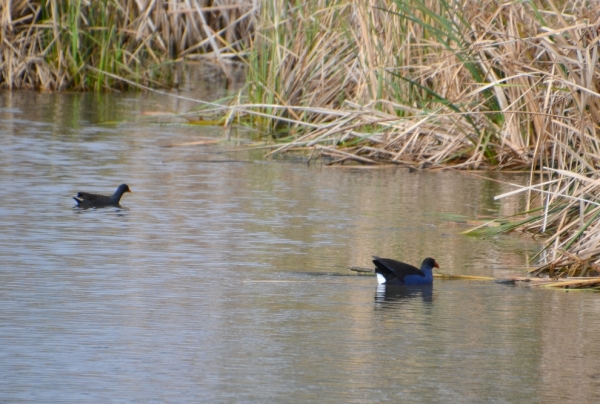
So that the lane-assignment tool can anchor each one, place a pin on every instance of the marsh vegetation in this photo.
(115, 44)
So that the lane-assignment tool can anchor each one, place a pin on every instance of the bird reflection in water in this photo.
(391, 296)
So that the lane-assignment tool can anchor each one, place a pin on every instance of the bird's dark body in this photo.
(392, 272)
(88, 200)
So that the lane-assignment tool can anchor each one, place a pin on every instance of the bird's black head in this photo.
(123, 188)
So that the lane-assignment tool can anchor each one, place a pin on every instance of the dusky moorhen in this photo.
(87, 200)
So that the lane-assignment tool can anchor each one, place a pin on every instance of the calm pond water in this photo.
(224, 276)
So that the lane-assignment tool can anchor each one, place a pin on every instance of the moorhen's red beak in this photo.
(436, 265)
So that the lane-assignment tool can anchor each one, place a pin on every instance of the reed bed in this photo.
(84, 44)
(568, 217)
(433, 82)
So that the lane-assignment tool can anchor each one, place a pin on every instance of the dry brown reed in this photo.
(51, 44)
(508, 85)
(568, 215)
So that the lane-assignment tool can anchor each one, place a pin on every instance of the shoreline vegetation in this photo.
(435, 84)
(91, 45)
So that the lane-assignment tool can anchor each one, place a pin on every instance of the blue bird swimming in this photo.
(392, 272)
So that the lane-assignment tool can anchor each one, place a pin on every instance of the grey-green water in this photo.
(224, 276)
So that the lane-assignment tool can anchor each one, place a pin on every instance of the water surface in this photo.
(224, 276)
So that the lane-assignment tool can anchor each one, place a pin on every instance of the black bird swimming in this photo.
(87, 200)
